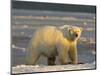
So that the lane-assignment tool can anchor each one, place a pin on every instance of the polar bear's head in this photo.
(74, 32)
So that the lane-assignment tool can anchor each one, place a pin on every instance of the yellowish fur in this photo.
(51, 41)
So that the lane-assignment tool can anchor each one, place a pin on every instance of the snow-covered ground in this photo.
(41, 68)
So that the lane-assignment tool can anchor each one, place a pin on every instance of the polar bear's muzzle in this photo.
(76, 35)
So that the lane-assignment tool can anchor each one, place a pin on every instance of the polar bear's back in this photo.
(47, 34)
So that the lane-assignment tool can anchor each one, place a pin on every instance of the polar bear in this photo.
(52, 41)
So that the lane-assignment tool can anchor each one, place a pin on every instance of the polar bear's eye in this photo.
(78, 31)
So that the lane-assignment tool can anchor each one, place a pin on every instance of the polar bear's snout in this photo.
(76, 35)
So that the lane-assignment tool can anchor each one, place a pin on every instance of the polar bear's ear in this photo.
(81, 28)
(69, 29)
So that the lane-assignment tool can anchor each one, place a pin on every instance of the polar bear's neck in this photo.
(66, 36)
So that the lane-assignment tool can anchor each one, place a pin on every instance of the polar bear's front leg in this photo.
(63, 56)
(73, 55)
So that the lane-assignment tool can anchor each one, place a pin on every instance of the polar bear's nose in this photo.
(76, 35)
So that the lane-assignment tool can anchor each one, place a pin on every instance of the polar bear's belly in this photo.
(48, 50)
